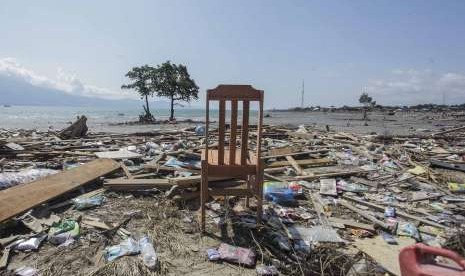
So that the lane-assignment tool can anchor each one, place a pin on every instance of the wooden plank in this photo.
(232, 138)
(294, 153)
(448, 131)
(260, 163)
(305, 162)
(232, 171)
(192, 180)
(365, 215)
(126, 170)
(364, 181)
(5, 257)
(245, 132)
(227, 155)
(221, 130)
(387, 255)
(296, 166)
(234, 91)
(398, 212)
(352, 224)
(158, 182)
(24, 197)
(118, 154)
(259, 128)
(275, 178)
(332, 174)
(96, 224)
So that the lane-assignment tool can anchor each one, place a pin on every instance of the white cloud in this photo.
(419, 86)
(64, 82)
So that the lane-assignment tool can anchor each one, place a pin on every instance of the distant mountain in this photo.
(15, 91)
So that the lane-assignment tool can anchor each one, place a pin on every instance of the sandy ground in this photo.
(180, 247)
(401, 123)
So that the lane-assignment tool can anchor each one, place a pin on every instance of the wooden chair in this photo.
(233, 162)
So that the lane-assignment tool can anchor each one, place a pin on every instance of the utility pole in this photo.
(302, 95)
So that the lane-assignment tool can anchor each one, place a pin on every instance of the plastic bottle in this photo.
(149, 257)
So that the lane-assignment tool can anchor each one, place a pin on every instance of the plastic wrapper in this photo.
(236, 254)
(125, 248)
(213, 254)
(279, 193)
(175, 163)
(86, 203)
(351, 187)
(410, 230)
(200, 130)
(456, 187)
(30, 244)
(26, 271)
(267, 270)
(9, 179)
(61, 232)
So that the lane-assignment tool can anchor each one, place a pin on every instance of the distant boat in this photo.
(6, 105)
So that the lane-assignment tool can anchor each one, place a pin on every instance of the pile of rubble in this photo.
(336, 203)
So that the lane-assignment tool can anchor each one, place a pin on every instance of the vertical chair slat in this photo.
(245, 132)
(221, 130)
(259, 128)
(232, 139)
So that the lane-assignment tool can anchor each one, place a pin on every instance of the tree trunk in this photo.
(172, 109)
(147, 105)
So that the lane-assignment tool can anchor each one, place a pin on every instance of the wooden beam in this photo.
(232, 138)
(296, 166)
(24, 197)
(326, 175)
(352, 224)
(295, 153)
(306, 162)
(245, 132)
(161, 183)
(398, 212)
(365, 215)
(221, 130)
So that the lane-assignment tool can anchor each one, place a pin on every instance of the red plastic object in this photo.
(418, 260)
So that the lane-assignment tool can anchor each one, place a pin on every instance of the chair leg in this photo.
(203, 194)
(259, 183)
(249, 179)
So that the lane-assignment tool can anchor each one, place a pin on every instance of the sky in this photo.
(400, 52)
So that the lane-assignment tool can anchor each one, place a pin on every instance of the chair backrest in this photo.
(235, 94)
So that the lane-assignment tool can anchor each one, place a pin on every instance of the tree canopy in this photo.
(141, 82)
(174, 82)
(365, 99)
(166, 80)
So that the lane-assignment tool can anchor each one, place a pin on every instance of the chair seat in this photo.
(213, 157)
(230, 188)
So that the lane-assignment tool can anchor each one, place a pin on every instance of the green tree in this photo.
(367, 101)
(141, 78)
(174, 82)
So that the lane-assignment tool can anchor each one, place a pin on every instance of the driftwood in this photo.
(76, 130)
(449, 130)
